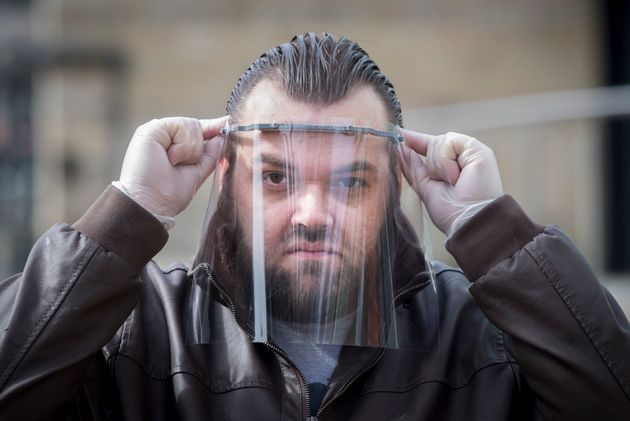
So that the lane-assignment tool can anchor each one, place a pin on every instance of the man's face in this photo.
(321, 197)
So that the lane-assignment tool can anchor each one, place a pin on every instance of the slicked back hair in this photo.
(317, 70)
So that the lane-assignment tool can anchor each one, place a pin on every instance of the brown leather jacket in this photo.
(83, 337)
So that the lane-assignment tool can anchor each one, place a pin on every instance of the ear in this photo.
(223, 169)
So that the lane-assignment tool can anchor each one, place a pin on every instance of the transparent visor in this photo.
(306, 240)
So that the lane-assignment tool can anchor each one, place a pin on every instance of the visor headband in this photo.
(286, 127)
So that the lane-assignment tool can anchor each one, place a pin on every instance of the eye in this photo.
(274, 178)
(350, 183)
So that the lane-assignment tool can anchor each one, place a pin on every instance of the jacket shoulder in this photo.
(163, 293)
(469, 342)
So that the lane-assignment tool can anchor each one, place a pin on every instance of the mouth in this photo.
(310, 250)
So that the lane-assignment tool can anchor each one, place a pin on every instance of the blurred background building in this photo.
(545, 83)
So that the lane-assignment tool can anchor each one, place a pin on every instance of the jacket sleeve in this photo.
(567, 333)
(79, 284)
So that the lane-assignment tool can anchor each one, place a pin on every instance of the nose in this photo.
(311, 208)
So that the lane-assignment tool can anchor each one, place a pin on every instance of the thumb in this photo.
(213, 150)
(413, 167)
(212, 127)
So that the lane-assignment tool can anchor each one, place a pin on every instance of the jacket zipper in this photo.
(307, 395)
(284, 355)
(374, 360)
(269, 345)
(350, 382)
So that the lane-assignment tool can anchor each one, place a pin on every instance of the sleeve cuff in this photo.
(167, 222)
(124, 227)
(495, 233)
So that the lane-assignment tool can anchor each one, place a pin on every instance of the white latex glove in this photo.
(167, 161)
(455, 175)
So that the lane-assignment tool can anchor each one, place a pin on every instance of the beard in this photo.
(324, 299)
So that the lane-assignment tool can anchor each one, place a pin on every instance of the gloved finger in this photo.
(212, 127)
(462, 147)
(443, 159)
(212, 152)
(469, 150)
(187, 140)
(413, 167)
(204, 129)
(419, 142)
(185, 153)
(153, 131)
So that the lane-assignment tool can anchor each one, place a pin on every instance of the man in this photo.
(83, 337)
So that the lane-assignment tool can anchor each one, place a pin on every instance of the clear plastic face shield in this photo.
(305, 240)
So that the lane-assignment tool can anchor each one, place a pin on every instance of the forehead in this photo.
(313, 151)
(268, 103)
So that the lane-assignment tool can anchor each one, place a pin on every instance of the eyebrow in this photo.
(275, 161)
(357, 166)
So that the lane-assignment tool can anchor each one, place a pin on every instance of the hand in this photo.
(167, 161)
(452, 173)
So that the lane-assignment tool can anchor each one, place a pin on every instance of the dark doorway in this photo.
(616, 36)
